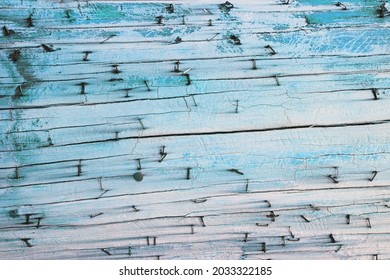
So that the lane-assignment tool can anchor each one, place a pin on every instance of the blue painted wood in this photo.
(265, 124)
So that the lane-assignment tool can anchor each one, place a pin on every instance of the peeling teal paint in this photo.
(167, 31)
(302, 42)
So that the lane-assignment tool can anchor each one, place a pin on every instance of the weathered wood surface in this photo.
(270, 141)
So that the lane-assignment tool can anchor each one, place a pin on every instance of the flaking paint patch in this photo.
(332, 42)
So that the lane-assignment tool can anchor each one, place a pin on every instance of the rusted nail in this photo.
(192, 229)
(95, 215)
(228, 4)
(13, 213)
(375, 257)
(368, 222)
(277, 80)
(116, 135)
(201, 219)
(382, 10)
(273, 52)
(338, 249)
(375, 93)
(188, 78)
(339, 4)
(100, 183)
(49, 141)
(151, 240)
(147, 85)
(67, 13)
(79, 171)
(193, 99)
(210, 22)
(254, 65)
(139, 167)
(127, 90)
(226, 7)
(48, 48)
(39, 222)
(237, 106)
(86, 54)
(115, 69)
(129, 251)
(264, 247)
(108, 38)
(163, 154)
(141, 123)
(199, 200)
(307, 20)
(246, 237)
(115, 80)
(28, 216)
(348, 217)
(83, 84)
(247, 185)
(272, 216)
(373, 177)
(208, 11)
(262, 225)
(177, 66)
(291, 233)
(188, 173)
(105, 251)
(27, 241)
(234, 170)
(30, 22)
(183, 20)
(18, 92)
(306, 219)
(332, 239)
(135, 208)
(293, 239)
(316, 208)
(334, 179)
(268, 203)
(171, 8)
(160, 20)
(187, 70)
(177, 40)
(17, 173)
(7, 32)
(235, 40)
